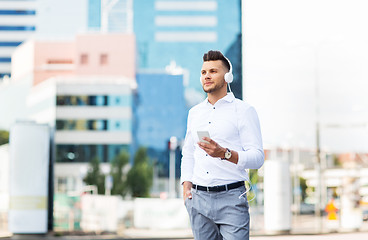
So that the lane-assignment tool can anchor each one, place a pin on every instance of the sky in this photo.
(302, 58)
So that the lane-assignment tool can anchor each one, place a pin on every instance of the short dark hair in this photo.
(214, 55)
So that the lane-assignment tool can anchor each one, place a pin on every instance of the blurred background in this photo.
(94, 96)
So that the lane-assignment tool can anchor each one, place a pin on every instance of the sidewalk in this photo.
(303, 227)
(180, 234)
(159, 234)
(138, 234)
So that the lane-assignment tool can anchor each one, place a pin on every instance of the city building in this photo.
(84, 89)
(182, 31)
(170, 31)
(160, 113)
(17, 23)
(110, 16)
(22, 20)
(92, 117)
(85, 55)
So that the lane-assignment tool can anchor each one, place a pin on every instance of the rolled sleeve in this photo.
(252, 154)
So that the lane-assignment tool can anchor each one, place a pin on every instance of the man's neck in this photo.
(215, 96)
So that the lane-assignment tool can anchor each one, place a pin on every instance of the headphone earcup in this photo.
(229, 77)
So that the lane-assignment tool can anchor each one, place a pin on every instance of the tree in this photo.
(119, 186)
(4, 137)
(95, 177)
(303, 187)
(139, 178)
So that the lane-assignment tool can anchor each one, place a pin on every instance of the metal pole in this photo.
(318, 146)
(173, 145)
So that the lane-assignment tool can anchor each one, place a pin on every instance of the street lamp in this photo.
(173, 146)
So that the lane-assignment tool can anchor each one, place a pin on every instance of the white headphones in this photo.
(228, 76)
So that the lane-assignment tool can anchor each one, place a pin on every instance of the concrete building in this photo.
(86, 55)
(82, 88)
(22, 20)
(92, 117)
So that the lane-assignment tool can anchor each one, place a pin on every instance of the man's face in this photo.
(212, 76)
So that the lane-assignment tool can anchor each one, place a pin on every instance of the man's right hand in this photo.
(187, 187)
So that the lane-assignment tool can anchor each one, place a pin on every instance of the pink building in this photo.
(87, 55)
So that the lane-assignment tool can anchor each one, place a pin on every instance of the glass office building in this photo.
(110, 16)
(181, 31)
(160, 112)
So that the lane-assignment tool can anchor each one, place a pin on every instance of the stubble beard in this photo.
(215, 88)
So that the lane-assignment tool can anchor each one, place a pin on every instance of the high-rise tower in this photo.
(17, 23)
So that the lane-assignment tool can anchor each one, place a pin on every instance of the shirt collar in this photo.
(228, 98)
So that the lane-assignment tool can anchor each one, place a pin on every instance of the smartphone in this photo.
(202, 134)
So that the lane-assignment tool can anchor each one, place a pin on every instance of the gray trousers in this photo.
(219, 215)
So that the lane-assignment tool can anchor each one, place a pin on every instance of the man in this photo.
(213, 168)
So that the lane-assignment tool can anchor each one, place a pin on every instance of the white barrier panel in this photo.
(277, 196)
(155, 213)
(4, 178)
(29, 165)
(99, 213)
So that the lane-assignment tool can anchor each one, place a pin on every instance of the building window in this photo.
(59, 61)
(92, 100)
(84, 153)
(103, 59)
(84, 59)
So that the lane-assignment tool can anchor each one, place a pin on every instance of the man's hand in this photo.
(212, 148)
(187, 186)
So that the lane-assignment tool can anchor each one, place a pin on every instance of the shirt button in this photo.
(206, 154)
(214, 108)
(207, 172)
(209, 122)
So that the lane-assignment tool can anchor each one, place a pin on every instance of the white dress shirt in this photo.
(231, 123)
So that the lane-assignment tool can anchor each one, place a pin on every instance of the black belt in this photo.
(219, 188)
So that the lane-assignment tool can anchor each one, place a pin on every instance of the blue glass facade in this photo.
(117, 19)
(17, 12)
(181, 31)
(3, 74)
(17, 28)
(9, 44)
(94, 14)
(5, 59)
(7, 29)
(160, 113)
(165, 32)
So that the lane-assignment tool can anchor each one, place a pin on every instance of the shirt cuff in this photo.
(250, 159)
(185, 179)
(241, 160)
